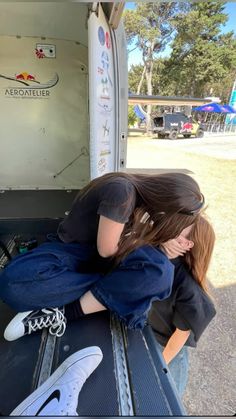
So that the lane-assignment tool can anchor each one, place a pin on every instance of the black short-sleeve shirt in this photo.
(187, 308)
(114, 199)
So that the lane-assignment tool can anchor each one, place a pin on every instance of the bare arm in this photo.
(108, 236)
(175, 344)
(90, 304)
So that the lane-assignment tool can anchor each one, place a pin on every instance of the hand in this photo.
(176, 247)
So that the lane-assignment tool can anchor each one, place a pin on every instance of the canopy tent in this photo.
(216, 114)
(139, 113)
(215, 108)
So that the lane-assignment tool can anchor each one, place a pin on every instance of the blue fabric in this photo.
(49, 276)
(139, 113)
(46, 277)
(178, 368)
(216, 108)
(145, 275)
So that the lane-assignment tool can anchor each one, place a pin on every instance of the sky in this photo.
(135, 57)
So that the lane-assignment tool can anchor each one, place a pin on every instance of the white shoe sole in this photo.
(73, 359)
(16, 329)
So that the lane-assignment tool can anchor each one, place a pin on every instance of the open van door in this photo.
(107, 91)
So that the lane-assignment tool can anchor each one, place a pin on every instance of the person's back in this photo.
(187, 308)
(114, 198)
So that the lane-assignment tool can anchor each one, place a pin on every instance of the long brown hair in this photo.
(199, 257)
(169, 202)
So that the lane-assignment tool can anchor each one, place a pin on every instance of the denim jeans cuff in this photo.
(132, 321)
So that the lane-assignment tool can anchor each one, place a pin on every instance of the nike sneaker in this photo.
(30, 321)
(58, 395)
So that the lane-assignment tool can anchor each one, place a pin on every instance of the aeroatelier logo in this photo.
(27, 86)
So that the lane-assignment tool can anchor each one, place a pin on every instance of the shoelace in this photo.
(57, 323)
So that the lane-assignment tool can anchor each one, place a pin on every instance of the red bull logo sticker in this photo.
(26, 76)
(45, 51)
(27, 85)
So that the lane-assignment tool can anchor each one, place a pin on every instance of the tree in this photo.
(150, 27)
(201, 56)
(132, 118)
(135, 74)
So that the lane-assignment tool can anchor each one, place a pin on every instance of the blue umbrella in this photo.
(216, 108)
(229, 109)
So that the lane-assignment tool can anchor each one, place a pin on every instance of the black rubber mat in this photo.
(98, 396)
(19, 361)
(29, 226)
(149, 395)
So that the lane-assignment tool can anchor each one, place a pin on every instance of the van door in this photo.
(107, 90)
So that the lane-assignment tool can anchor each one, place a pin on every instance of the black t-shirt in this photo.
(187, 308)
(114, 199)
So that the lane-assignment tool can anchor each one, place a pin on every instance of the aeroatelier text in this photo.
(27, 92)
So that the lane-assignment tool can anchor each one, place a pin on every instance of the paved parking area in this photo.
(220, 147)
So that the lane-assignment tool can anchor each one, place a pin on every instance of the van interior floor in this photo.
(132, 378)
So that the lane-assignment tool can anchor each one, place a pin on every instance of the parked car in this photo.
(173, 124)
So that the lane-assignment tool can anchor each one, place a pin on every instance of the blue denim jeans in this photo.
(179, 367)
(49, 276)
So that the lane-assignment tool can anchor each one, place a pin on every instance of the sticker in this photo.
(102, 165)
(45, 51)
(105, 65)
(105, 60)
(26, 85)
(106, 129)
(108, 41)
(105, 89)
(26, 76)
(39, 54)
(101, 35)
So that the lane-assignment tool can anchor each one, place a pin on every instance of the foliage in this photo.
(158, 81)
(201, 55)
(150, 27)
(132, 117)
(202, 61)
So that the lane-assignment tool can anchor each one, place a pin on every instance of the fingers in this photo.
(185, 243)
(177, 247)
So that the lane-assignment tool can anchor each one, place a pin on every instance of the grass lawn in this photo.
(217, 179)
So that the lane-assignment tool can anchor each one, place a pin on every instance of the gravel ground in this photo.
(211, 389)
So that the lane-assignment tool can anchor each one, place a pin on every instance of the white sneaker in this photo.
(58, 395)
(31, 321)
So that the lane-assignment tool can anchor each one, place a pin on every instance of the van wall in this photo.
(44, 118)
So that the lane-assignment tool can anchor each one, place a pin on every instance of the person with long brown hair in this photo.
(114, 229)
(179, 320)
(120, 212)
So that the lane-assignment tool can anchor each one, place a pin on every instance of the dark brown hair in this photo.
(198, 258)
(166, 204)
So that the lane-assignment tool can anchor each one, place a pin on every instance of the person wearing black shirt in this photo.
(179, 320)
(114, 228)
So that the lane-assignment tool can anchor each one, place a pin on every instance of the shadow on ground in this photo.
(211, 388)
